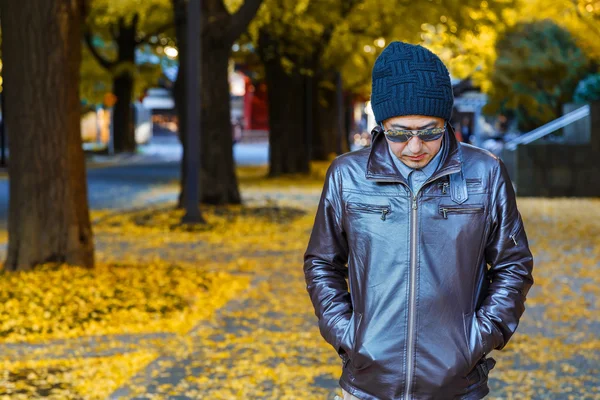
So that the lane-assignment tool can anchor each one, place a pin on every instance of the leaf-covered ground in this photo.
(221, 312)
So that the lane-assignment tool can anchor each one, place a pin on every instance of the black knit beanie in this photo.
(410, 80)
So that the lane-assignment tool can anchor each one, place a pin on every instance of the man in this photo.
(417, 218)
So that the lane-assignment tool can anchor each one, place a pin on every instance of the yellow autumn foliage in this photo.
(236, 340)
(94, 378)
(61, 301)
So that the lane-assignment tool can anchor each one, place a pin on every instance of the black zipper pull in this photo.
(445, 187)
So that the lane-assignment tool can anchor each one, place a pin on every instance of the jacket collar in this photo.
(381, 166)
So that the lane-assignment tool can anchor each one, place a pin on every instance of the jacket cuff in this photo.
(492, 338)
(339, 334)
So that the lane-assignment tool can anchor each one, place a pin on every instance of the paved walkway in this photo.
(149, 176)
(265, 344)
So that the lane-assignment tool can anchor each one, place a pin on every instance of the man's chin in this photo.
(416, 164)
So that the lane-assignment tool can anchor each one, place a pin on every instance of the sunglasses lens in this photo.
(426, 135)
(399, 138)
(430, 138)
(406, 138)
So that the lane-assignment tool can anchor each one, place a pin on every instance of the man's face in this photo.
(415, 153)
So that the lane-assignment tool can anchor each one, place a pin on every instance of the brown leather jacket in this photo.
(437, 279)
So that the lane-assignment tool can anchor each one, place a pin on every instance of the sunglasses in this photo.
(404, 135)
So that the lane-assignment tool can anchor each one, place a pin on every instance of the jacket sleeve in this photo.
(511, 264)
(325, 268)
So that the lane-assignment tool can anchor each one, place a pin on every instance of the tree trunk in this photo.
(288, 111)
(287, 118)
(325, 133)
(218, 181)
(124, 128)
(348, 121)
(179, 93)
(179, 90)
(48, 213)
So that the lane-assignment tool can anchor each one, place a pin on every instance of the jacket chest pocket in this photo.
(374, 234)
(447, 211)
(382, 210)
(474, 185)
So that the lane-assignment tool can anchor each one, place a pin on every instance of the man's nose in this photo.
(415, 144)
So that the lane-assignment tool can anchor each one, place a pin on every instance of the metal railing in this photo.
(550, 127)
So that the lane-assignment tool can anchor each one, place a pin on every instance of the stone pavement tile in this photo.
(265, 345)
(82, 347)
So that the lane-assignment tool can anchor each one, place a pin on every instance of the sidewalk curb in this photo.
(91, 165)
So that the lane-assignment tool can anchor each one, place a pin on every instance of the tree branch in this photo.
(214, 20)
(347, 7)
(591, 24)
(145, 39)
(242, 18)
(107, 64)
(85, 9)
(113, 32)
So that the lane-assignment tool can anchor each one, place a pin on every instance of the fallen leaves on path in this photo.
(265, 343)
(69, 379)
(61, 301)
(556, 350)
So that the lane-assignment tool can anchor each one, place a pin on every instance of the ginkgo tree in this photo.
(305, 45)
(537, 69)
(580, 17)
(114, 30)
(222, 24)
(475, 54)
(48, 217)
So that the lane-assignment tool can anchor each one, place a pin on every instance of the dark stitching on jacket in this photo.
(385, 175)
(494, 192)
(473, 181)
(435, 195)
(481, 253)
(339, 178)
(354, 191)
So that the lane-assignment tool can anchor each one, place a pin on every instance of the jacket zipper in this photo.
(413, 267)
(514, 235)
(411, 298)
(412, 286)
(459, 210)
(384, 210)
(444, 186)
(470, 183)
